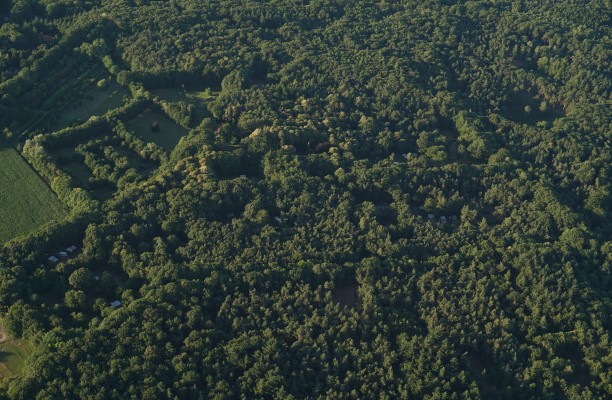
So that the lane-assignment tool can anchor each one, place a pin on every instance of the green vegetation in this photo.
(339, 199)
(26, 202)
(12, 354)
(96, 100)
(168, 134)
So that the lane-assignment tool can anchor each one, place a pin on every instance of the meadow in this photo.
(12, 354)
(26, 202)
(169, 132)
(94, 101)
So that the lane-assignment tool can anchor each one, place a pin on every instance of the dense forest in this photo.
(317, 199)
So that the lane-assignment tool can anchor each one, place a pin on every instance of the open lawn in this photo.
(524, 109)
(169, 132)
(12, 354)
(95, 101)
(199, 99)
(26, 202)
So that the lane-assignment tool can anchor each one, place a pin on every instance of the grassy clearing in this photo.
(66, 160)
(95, 101)
(169, 132)
(26, 202)
(524, 109)
(199, 99)
(173, 94)
(12, 355)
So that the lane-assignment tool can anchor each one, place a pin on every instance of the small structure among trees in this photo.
(155, 126)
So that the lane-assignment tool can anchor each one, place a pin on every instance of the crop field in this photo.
(25, 201)
(95, 101)
(169, 132)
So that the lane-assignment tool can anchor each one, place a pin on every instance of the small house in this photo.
(71, 249)
(431, 217)
(278, 219)
(443, 219)
(96, 278)
(63, 254)
(421, 207)
(243, 176)
(405, 156)
(454, 218)
(53, 259)
(115, 304)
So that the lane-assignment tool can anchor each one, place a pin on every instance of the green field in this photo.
(25, 201)
(199, 99)
(12, 357)
(95, 101)
(169, 133)
(12, 354)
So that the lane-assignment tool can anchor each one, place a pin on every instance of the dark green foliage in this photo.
(283, 248)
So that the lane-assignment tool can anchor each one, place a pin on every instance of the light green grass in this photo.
(103, 101)
(169, 133)
(199, 99)
(26, 202)
(12, 354)
(12, 357)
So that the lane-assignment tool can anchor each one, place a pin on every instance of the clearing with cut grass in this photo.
(12, 354)
(167, 135)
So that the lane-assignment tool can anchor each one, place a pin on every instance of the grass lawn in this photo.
(76, 169)
(515, 110)
(199, 99)
(102, 101)
(169, 132)
(26, 202)
(12, 355)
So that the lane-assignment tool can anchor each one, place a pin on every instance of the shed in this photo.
(63, 254)
(53, 259)
(431, 217)
(278, 219)
(115, 303)
(443, 219)
(71, 249)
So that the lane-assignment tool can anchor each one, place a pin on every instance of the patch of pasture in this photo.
(523, 108)
(199, 99)
(26, 202)
(93, 101)
(12, 354)
(69, 161)
(167, 136)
